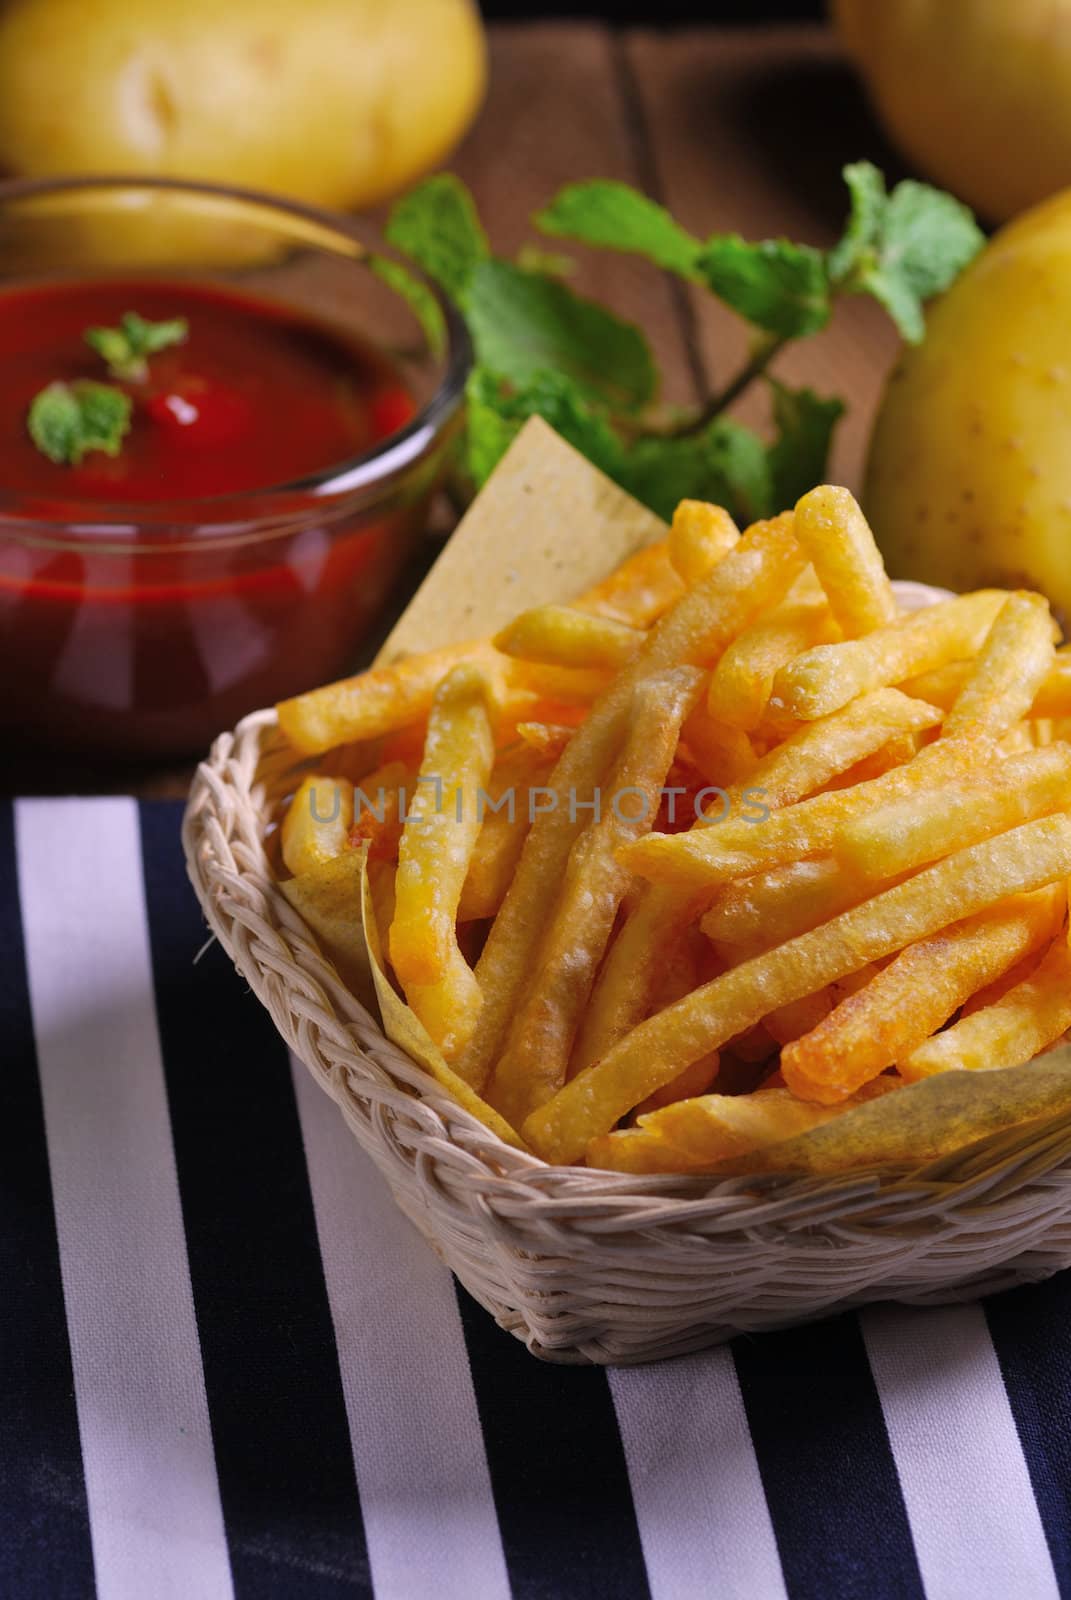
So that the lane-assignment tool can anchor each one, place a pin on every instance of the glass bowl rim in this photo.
(352, 484)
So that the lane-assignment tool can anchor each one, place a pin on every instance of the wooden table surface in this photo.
(732, 129)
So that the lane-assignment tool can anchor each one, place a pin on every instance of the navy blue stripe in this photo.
(290, 1499)
(1031, 1331)
(45, 1551)
(827, 1469)
(557, 1470)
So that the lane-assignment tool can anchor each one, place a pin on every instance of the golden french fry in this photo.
(1025, 1021)
(914, 995)
(754, 574)
(707, 856)
(514, 786)
(694, 1080)
(723, 754)
(757, 912)
(741, 682)
(821, 750)
(545, 739)
(659, 1049)
(569, 686)
(317, 823)
(563, 636)
(992, 992)
(535, 1060)
(628, 980)
(799, 1017)
(640, 1151)
(700, 534)
(639, 591)
(379, 802)
(837, 537)
(436, 847)
(377, 702)
(825, 678)
(943, 684)
(719, 1127)
(1014, 662)
(914, 830)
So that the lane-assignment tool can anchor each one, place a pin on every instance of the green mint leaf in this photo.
(127, 348)
(524, 324)
(902, 248)
(437, 226)
(67, 420)
(497, 413)
(726, 463)
(613, 216)
(530, 258)
(862, 231)
(798, 456)
(776, 285)
(417, 296)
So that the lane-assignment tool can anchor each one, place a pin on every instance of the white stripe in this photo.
(154, 1508)
(429, 1514)
(699, 1500)
(969, 1500)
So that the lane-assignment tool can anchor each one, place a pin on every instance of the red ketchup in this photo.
(150, 629)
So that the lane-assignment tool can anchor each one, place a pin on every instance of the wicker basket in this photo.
(589, 1266)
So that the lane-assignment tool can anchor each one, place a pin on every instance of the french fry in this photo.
(515, 780)
(914, 995)
(377, 702)
(722, 754)
(706, 857)
(535, 1060)
(328, 897)
(625, 990)
(699, 535)
(943, 684)
(659, 1049)
(694, 1080)
(799, 1017)
(564, 636)
(741, 682)
(755, 913)
(379, 803)
(837, 537)
(545, 739)
(754, 574)
(1027, 1020)
(317, 823)
(717, 1127)
(433, 861)
(1014, 662)
(641, 1151)
(825, 678)
(521, 681)
(639, 591)
(929, 824)
(807, 760)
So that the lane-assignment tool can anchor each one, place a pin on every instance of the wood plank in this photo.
(750, 130)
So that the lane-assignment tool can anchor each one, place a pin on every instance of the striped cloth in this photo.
(229, 1367)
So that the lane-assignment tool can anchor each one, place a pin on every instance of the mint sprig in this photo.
(127, 348)
(68, 420)
(542, 349)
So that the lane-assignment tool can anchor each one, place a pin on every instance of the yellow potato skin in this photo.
(968, 481)
(976, 93)
(340, 103)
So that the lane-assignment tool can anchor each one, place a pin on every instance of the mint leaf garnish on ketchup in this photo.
(67, 420)
(128, 347)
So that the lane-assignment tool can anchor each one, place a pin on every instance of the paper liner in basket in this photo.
(546, 526)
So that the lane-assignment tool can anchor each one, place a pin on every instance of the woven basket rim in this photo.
(236, 886)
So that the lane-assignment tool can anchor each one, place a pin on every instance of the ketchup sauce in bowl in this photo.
(237, 543)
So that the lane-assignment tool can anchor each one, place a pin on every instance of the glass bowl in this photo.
(142, 629)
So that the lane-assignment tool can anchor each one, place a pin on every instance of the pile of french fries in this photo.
(723, 849)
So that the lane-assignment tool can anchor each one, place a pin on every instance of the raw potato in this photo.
(337, 102)
(977, 93)
(969, 477)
